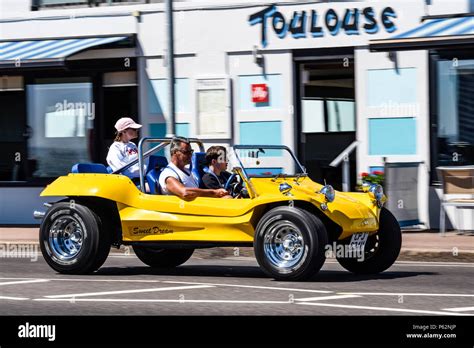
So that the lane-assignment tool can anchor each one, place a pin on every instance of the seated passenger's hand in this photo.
(219, 193)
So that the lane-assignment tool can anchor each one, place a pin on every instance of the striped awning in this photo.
(431, 33)
(27, 52)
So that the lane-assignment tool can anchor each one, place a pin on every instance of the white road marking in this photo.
(404, 294)
(94, 280)
(459, 309)
(252, 287)
(13, 298)
(130, 291)
(388, 309)
(324, 298)
(25, 282)
(422, 264)
(158, 300)
(437, 263)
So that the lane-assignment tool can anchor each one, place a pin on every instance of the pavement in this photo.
(416, 246)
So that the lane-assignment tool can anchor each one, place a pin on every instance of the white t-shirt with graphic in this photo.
(185, 178)
(121, 154)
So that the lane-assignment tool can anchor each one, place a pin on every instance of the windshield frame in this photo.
(269, 147)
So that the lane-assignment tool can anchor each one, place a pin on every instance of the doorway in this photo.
(120, 99)
(327, 117)
(14, 159)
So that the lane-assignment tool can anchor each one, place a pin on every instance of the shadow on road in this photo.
(248, 272)
(345, 276)
(186, 271)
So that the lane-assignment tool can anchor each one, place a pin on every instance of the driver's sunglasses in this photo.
(188, 152)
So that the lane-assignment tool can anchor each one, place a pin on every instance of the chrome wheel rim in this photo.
(372, 246)
(284, 245)
(66, 236)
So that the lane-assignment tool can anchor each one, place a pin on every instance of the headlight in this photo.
(328, 192)
(285, 188)
(377, 192)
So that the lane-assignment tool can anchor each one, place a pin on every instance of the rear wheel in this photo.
(156, 257)
(72, 239)
(381, 249)
(289, 243)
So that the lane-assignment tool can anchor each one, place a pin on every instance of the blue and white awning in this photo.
(54, 50)
(434, 32)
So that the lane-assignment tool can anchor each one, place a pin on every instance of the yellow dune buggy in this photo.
(291, 221)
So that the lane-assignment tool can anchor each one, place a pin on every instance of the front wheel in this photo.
(166, 258)
(289, 243)
(72, 239)
(381, 249)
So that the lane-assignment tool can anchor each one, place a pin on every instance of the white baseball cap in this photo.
(126, 122)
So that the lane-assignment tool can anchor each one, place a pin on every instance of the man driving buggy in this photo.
(177, 180)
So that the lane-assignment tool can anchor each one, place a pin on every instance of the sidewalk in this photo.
(416, 246)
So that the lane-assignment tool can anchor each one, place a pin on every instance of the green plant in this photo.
(376, 177)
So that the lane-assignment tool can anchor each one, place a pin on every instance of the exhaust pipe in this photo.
(38, 214)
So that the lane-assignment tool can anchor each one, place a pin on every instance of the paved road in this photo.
(233, 286)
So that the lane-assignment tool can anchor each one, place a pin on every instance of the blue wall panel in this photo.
(182, 129)
(158, 96)
(392, 136)
(388, 85)
(157, 130)
(261, 133)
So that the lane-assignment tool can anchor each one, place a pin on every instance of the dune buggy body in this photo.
(289, 219)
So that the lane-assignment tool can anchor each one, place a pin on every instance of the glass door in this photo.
(61, 115)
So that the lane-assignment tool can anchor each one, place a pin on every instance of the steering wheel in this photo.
(233, 185)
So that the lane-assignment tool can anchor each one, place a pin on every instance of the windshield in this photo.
(265, 161)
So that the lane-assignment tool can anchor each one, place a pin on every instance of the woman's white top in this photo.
(121, 154)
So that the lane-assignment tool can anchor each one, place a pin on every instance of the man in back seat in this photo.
(175, 179)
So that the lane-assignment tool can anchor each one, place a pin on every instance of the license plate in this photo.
(358, 241)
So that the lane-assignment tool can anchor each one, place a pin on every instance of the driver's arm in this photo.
(189, 193)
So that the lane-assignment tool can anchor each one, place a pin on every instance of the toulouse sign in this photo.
(304, 23)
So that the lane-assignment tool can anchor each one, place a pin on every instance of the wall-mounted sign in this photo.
(259, 93)
(213, 108)
(314, 24)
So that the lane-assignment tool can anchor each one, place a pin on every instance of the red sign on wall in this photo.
(259, 93)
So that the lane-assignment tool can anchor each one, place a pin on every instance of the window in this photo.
(60, 116)
(453, 116)
(327, 115)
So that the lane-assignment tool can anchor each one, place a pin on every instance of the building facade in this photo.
(298, 73)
